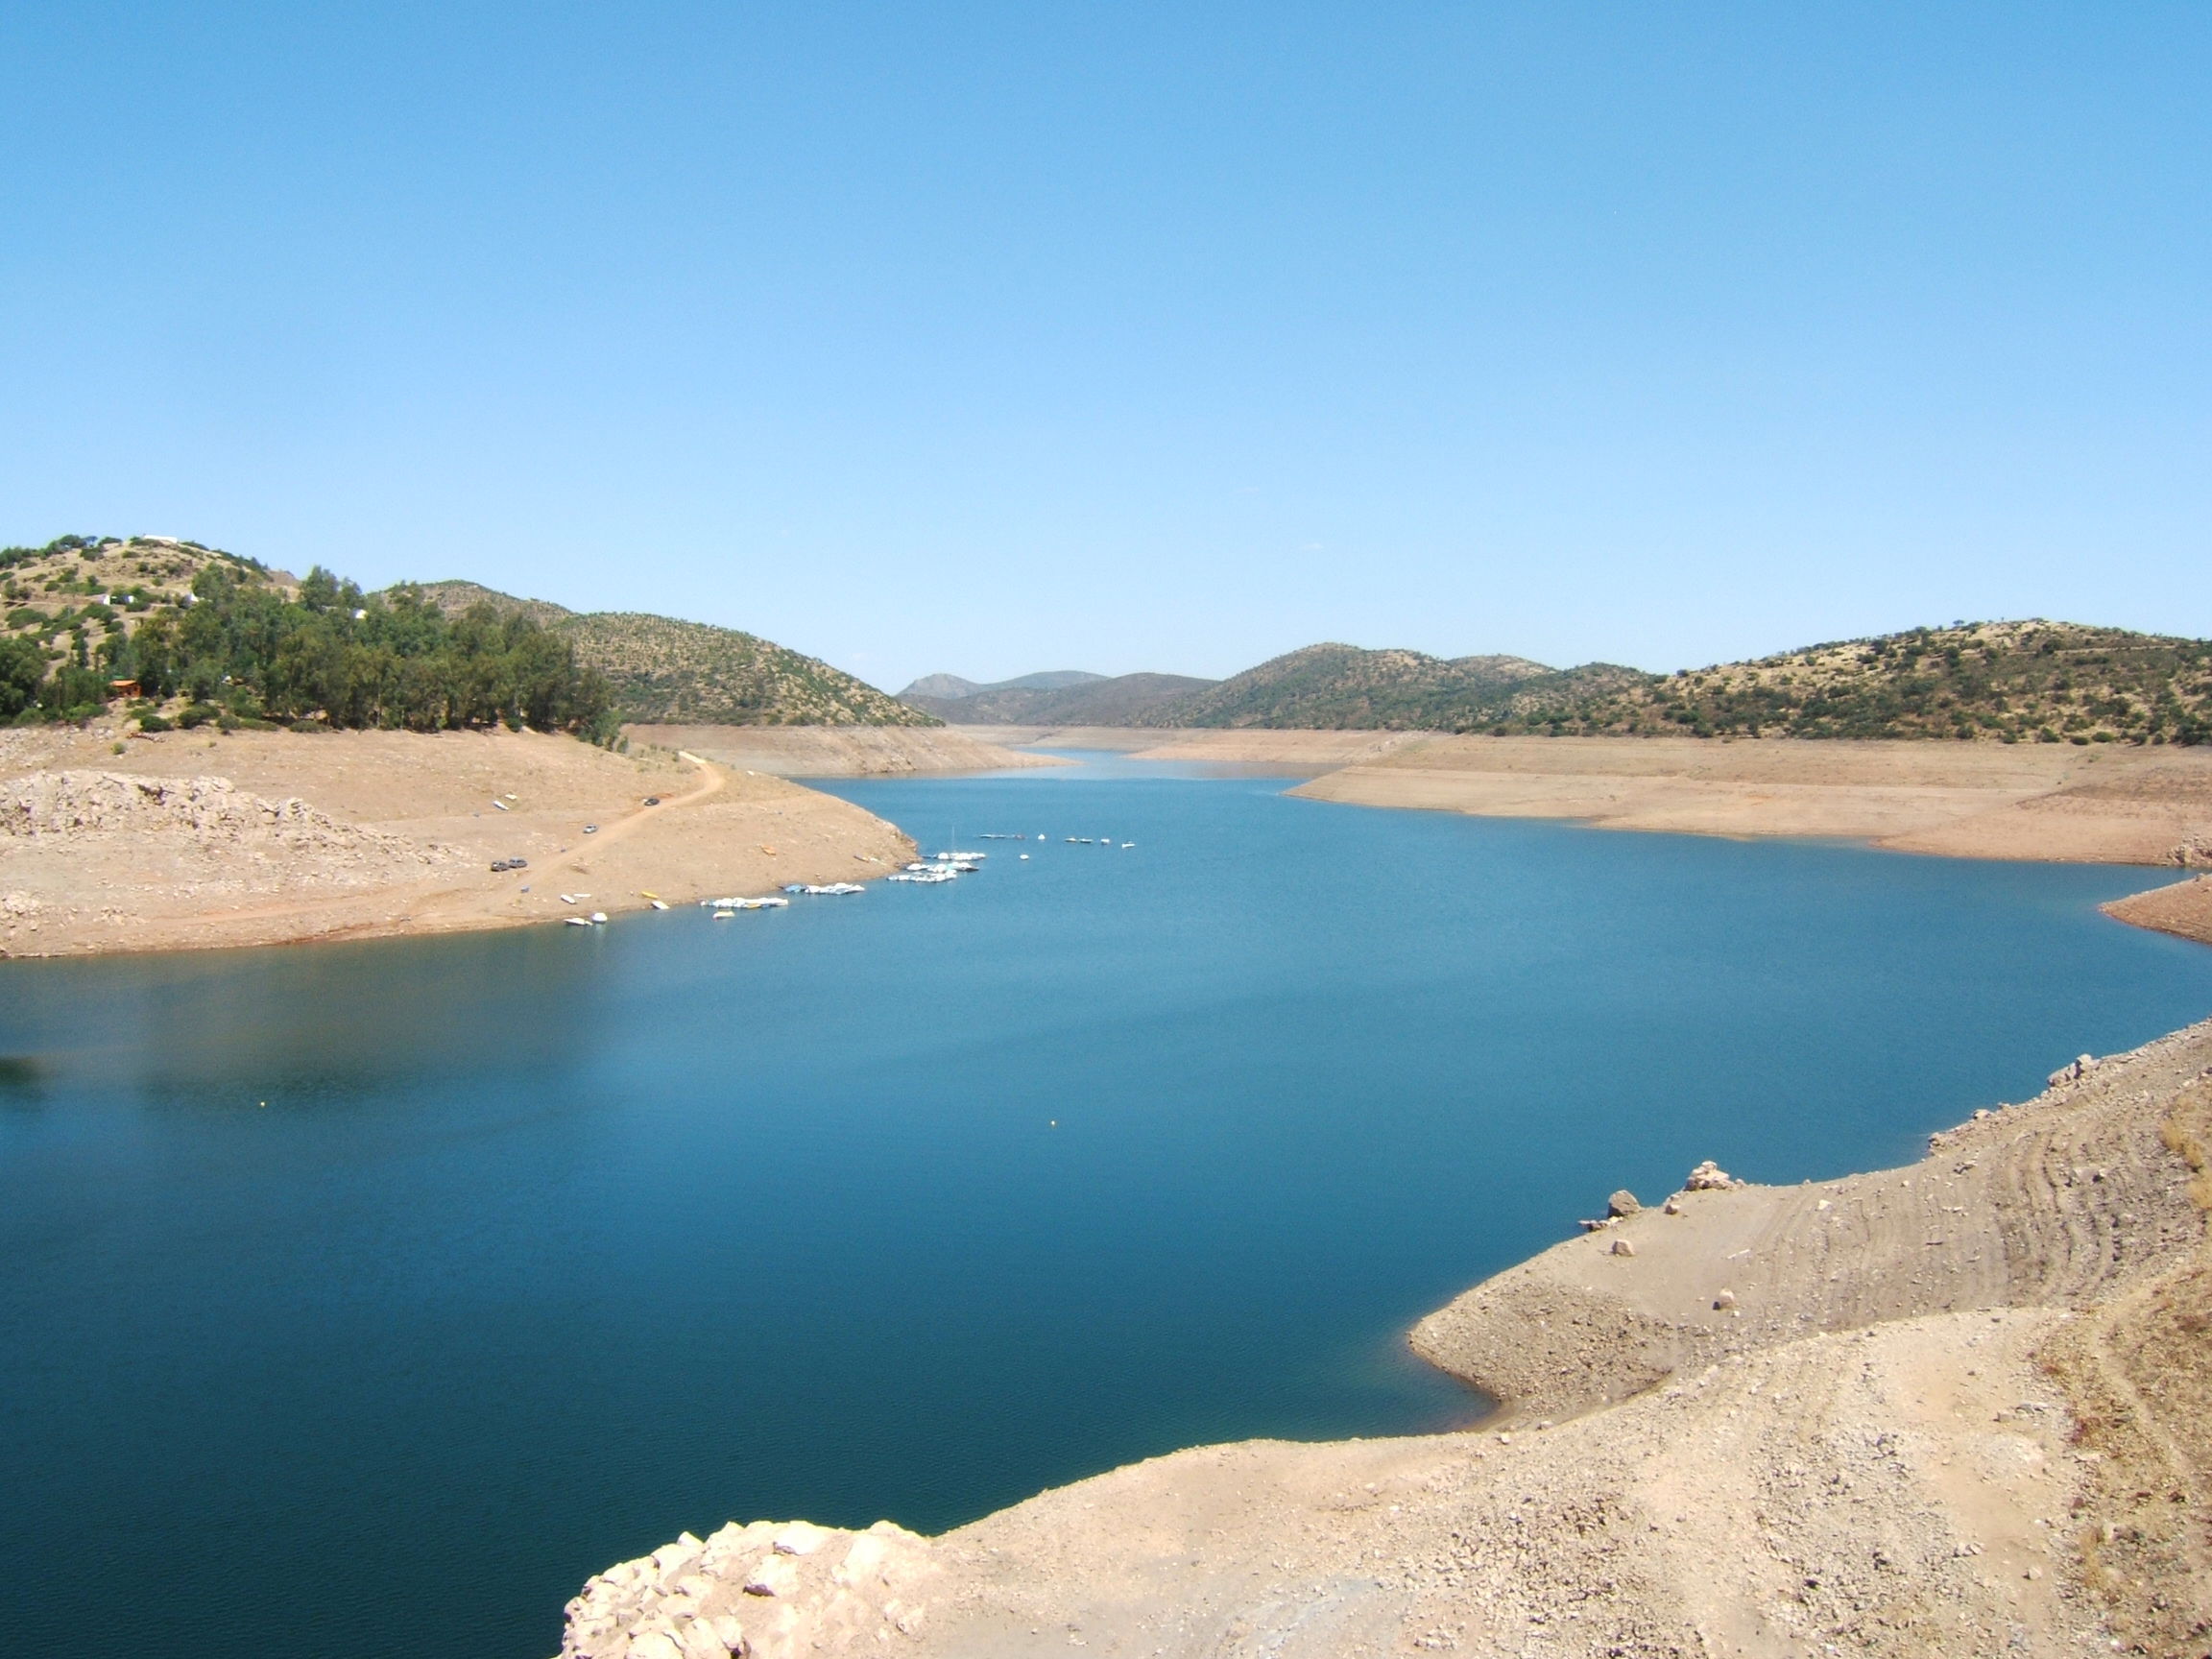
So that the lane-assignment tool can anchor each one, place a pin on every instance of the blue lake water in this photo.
(359, 1301)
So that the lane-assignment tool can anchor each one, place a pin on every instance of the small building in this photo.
(124, 689)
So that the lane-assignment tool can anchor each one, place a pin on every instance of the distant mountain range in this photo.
(952, 689)
(1322, 686)
(668, 671)
(2030, 681)
(1062, 697)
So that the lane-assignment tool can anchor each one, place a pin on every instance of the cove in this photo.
(360, 1300)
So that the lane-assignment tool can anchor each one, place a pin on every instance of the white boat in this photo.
(1127, 845)
(598, 918)
(659, 904)
(724, 906)
(575, 921)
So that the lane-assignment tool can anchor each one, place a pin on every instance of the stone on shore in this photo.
(1622, 1203)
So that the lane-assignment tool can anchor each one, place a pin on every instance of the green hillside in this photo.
(667, 671)
(2013, 681)
(174, 629)
(690, 673)
(1345, 688)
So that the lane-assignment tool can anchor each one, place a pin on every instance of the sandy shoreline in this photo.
(1959, 1407)
(1944, 1408)
(272, 837)
(2109, 804)
(189, 841)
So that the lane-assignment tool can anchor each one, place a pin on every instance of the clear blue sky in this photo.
(991, 338)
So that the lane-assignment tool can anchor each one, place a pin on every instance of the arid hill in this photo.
(75, 595)
(2007, 682)
(1335, 687)
(2016, 682)
(94, 588)
(667, 671)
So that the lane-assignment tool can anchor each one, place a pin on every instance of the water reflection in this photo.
(328, 1022)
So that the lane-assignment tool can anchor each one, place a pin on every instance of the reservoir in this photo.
(360, 1300)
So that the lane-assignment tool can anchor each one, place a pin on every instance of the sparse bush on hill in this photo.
(667, 671)
(2014, 682)
(2010, 682)
(248, 650)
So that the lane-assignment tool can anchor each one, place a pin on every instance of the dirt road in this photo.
(185, 840)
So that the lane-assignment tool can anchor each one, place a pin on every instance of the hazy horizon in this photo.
(984, 339)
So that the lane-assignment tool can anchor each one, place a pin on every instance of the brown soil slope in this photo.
(1955, 1409)
(2185, 908)
(185, 840)
(839, 751)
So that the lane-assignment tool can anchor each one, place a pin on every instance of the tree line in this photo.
(333, 656)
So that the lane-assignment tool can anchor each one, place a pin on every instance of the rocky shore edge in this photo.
(1960, 1406)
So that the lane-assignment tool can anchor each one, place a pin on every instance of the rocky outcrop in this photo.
(771, 1590)
(212, 811)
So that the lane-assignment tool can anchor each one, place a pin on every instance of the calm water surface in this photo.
(360, 1300)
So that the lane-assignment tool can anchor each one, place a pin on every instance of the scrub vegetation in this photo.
(214, 637)
(665, 671)
(189, 634)
(2015, 682)
(2007, 682)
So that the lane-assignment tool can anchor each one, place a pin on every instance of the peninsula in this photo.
(1961, 1408)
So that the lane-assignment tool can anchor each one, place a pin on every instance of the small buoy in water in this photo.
(1025, 857)
(1054, 1124)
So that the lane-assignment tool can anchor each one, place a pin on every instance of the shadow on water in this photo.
(323, 1023)
(22, 1079)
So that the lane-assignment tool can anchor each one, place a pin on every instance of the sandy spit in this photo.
(185, 840)
(2102, 804)
(1961, 1408)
